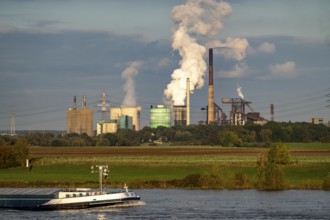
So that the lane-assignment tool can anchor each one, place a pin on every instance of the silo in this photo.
(160, 116)
(180, 115)
(80, 120)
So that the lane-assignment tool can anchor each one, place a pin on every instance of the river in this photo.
(202, 204)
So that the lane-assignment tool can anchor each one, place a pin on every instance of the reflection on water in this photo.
(201, 204)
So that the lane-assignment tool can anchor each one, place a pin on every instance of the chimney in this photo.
(188, 100)
(74, 102)
(272, 112)
(210, 109)
(84, 102)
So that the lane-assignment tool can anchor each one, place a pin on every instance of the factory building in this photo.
(126, 117)
(160, 116)
(316, 121)
(80, 120)
(111, 126)
(103, 126)
(180, 115)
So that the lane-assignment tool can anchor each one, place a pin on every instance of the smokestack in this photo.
(74, 102)
(272, 112)
(188, 101)
(210, 109)
(84, 102)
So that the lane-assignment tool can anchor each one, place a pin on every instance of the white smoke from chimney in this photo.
(232, 48)
(129, 87)
(239, 91)
(196, 18)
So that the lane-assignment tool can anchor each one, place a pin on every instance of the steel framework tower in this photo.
(104, 105)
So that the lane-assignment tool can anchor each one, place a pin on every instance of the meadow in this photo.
(164, 167)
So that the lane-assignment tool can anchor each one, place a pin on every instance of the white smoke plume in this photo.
(232, 48)
(196, 18)
(239, 91)
(129, 87)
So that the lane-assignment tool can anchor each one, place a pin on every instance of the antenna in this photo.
(13, 123)
(104, 105)
(103, 173)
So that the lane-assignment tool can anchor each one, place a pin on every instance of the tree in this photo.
(21, 151)
(7, 156)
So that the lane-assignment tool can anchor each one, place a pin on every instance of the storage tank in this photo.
(160, 116)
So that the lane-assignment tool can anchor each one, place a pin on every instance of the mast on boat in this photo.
(103, 173)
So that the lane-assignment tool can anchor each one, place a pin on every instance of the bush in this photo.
(279, 154)
(240, 181)
(270, 173)
(326, 183)
(229, 139)
(207, 181)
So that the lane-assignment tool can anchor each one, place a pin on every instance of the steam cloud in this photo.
(198, 19)
(129, 87)
(239, 91)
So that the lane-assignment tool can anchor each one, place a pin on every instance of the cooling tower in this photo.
(133, 112)
(210, 109)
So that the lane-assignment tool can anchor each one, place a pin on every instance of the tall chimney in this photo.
(188, 100)
(74, 102)
(272, 112)
(210, 109)
(84, 102)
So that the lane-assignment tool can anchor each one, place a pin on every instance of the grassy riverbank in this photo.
(166, 167)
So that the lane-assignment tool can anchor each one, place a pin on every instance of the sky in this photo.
(51, 51)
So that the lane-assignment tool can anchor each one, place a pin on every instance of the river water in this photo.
(202, 204)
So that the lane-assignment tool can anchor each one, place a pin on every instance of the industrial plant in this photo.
(81, 120)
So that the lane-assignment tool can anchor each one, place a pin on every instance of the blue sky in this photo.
(51, 51)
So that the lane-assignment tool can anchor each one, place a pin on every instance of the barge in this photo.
(59, 199)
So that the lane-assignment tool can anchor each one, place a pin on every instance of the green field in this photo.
(148, 167)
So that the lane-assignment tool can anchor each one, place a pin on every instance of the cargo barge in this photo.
(59, 199)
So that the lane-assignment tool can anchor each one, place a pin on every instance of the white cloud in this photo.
(266, 47)
(283, 70)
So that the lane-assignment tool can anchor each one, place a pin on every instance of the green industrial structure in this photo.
(160, 116)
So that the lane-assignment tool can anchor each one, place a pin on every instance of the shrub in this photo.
(229, 139)
(206, 181)
(240, 181)
(279, 154)
(270, 173)
(326, 182)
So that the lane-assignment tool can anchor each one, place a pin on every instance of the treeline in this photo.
(247, 135)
